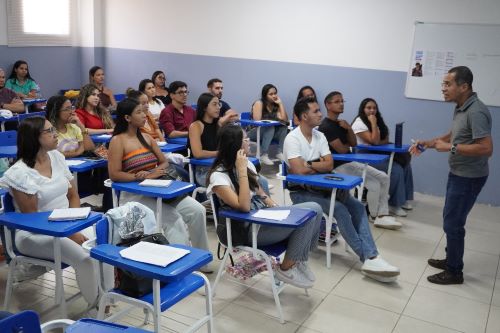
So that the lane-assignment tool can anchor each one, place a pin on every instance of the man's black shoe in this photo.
(446, 277)
(437, 263)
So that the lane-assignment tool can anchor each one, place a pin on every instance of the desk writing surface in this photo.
(87, 325)
(259, 123)
(8, 151)
(319, 180)
(179, 141)
(361, 158)
(173, 190)
(207, 162)
(296, 218)
(39, 223)
(101, 138)
(174, 272)
(87, 165)
(172, 147)
(390, 147)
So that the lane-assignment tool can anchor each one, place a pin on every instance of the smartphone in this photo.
(334, 178)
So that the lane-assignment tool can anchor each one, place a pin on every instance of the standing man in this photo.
(176, 117)
(215, 87)
(469, 146)
(8, 98)
(341, 139)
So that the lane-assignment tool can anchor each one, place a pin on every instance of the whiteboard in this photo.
(441, 46)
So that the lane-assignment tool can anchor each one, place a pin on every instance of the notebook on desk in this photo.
(66, 214)
(154, 254)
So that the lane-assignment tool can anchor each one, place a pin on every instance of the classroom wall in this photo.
(360, 48)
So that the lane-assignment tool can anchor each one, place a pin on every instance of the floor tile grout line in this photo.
(491, 299)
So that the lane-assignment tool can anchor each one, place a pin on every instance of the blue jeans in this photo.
(461, 194)
(267, 134)
(401, 186)
(351, 219)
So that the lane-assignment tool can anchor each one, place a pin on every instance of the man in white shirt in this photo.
(307, 152)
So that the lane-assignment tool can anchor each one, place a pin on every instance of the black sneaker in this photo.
(437, 263)
(446, 277)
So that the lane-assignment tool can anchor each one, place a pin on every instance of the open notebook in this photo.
(155, 254)
(69, 214)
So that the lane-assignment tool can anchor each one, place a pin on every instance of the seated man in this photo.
(8, 98)
(306, 152)
(176, 117)
(341, 138)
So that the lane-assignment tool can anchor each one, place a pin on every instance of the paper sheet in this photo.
(161, 143)
(69, 214)
(74, 162)
(156, 182)
(269, 214)
(155, 254)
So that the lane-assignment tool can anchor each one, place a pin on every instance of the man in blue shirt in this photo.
(469, 146)
(215, 87)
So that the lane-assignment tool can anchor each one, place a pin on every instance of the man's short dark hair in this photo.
(462, 75)
(331, 95)
(172, 88)
(211, 82)
(302, 106)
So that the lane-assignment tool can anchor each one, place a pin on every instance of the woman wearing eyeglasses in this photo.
(41, 181)
(72, 137)
(159, 78)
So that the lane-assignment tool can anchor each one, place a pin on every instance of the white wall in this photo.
(362, 33)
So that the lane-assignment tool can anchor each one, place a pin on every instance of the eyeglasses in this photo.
(183, 92)
(71, 108)
(50, 130)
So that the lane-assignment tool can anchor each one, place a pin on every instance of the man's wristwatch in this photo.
(453, 149)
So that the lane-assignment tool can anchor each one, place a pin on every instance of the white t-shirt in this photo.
(296, 145)
(156, 108)
(358, 126)
(221, 178)
(51, 192)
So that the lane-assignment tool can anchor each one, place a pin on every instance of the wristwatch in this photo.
(309, 164)
(453, 149)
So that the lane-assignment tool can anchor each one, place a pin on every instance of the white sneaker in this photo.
(387, 222)
(379, 267)
(407, 205)
(397, 211)
(264, 159)
(294, 277)
(306, 270)
(280, 156)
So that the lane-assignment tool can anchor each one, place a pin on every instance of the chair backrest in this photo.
(22, 322)
(8, 138)
(102, 231)
(214, 201)
(246, 116)
(23, 116)
(119, 97)
(284, 173)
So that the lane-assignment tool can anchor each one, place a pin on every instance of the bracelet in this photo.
(243, 176)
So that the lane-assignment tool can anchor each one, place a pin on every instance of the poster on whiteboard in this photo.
(438, 47)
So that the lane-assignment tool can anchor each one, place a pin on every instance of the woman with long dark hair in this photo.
(147, 87)
(306, 91)
(106, 96)
(159, 80)
(269, 107)
(134, 156)
(41, 181)
(235, 182)
(370, 128)
(21, 82)
(95, 118)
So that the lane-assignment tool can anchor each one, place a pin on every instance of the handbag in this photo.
(130, 283)
(402, 159)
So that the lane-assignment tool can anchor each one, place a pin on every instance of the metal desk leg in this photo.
(60, 298)
(329, 222)
(258, 143)
(156, 305)
(158, 214)
(75, 177)
(389, 168)
(360, 192)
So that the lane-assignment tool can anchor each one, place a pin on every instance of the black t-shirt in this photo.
(224, 107)
(332, 131)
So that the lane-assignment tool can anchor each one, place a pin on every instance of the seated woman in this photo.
(134, 156)
(95, 118)
(370, 128)
(151, 126)
(159, 80)
(269, 107)
(306, 91)
(73, 140)
(147, 87)
(96, 77)
(21, 82)
(235, 182)
(203, 131)
(41, 181)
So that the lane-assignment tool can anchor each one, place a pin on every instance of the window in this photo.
(40, 23)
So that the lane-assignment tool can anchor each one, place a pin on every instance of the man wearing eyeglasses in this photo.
(8, 98)
(469, 146)
(340, 139)
(176, 117)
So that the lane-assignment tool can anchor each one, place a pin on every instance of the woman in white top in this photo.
(147, 87)
(370, 128)
(41, 181)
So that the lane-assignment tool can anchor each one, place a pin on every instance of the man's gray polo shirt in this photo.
(470, 122)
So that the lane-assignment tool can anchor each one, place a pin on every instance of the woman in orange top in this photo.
(150, 127)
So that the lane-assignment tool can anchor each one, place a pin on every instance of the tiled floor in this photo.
(343, 300)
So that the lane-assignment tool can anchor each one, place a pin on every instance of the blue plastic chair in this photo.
(29, 322)
(169, 294)
(23, 116)
(8, 138)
